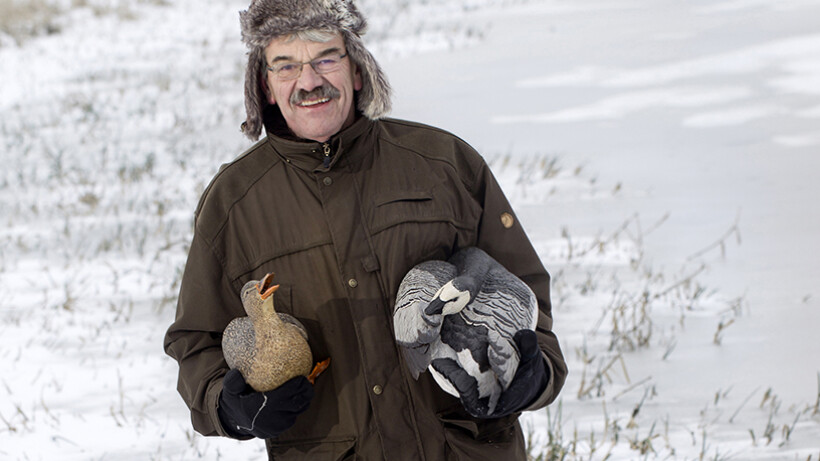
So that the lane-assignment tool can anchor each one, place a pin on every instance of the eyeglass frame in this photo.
(302, 65)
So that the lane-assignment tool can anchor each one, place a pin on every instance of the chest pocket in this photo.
(417, 224)
(435, 204)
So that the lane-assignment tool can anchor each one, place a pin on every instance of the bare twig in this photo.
(630, 388)
(720, 242)
(731, 419)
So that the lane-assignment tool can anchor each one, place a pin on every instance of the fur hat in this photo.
(266, 20)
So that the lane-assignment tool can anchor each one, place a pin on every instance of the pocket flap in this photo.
(318, 450)
(402, 196)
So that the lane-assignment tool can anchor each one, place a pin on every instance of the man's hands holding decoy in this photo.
(246, 413)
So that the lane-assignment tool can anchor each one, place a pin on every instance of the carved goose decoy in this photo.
(267, 347)
(464, 312)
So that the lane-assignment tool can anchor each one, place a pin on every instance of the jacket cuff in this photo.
(212, 396)
(545, 396)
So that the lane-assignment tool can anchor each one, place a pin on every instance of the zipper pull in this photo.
(326, 161)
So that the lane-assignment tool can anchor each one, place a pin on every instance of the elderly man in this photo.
(341, 203)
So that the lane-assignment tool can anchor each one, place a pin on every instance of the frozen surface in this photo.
(661, 155)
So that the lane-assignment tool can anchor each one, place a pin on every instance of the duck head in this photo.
(257, 296)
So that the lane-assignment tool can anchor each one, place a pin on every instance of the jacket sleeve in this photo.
(500, 234)
(206, 304)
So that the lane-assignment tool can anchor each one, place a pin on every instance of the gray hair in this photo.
(312, 35)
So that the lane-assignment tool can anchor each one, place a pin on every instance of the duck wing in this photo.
(456, 381)
(504, 306)
(503, 358)
(291, 320)
(508, 292)
(238, 342)
(416, 331)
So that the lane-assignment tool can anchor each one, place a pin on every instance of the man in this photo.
(340, 204)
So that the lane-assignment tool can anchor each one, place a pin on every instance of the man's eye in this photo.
(289, 67)
(324, 62)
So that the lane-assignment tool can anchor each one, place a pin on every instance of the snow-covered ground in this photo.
(659, 153)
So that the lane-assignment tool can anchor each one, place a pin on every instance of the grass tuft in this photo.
(21, 20)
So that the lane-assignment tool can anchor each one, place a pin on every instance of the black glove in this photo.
(245, 412)
(529, 382)
(530, 379)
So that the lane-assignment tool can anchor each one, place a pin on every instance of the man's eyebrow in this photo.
(328, 51)
(281, 58)
(325, 52)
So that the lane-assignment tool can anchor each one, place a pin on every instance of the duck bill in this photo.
(266, 287)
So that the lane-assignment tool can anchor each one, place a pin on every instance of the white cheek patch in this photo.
(454, 299)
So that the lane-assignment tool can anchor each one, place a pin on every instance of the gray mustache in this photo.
(325, 91)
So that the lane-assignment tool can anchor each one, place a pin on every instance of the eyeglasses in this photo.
(289, 70)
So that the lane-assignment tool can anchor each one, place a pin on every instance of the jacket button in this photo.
(377, 389)
(327, 181)
(507, 220)
(353, 283)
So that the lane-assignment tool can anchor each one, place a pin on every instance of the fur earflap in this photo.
(266, 20)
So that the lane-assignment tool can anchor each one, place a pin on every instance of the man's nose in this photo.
(309, 79)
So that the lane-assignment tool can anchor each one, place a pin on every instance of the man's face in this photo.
(315, 106)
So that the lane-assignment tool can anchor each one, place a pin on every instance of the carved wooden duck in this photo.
(267, 347)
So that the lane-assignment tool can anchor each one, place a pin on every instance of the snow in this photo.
(661, 155)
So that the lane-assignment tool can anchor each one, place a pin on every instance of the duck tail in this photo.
(318, 369)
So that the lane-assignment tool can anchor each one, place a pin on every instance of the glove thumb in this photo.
(527, 344)
(234, 383)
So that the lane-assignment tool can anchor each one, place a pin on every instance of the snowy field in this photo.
(661, 154)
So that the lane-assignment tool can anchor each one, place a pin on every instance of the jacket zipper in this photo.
(326, 161)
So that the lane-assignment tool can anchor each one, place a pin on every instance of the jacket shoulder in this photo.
(230, 184)
(427, 139)
(434, 144)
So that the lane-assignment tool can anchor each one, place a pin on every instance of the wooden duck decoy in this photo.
(267, 347)
(464, 312)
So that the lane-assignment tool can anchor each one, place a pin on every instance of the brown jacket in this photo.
(340, 239)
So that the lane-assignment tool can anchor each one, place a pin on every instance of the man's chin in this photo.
(316, 133)
(316, 123)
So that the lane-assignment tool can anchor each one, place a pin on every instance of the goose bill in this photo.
(435, 307)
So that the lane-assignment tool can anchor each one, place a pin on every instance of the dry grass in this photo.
(24, 19)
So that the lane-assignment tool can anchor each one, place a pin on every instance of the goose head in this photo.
(453, 296)
(257, 297)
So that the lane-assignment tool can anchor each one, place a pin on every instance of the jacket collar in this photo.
(310, 155)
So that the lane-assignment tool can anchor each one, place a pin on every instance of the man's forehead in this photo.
(297, 48)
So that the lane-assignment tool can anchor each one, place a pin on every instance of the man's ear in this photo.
(263, 82)
(357, 79)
